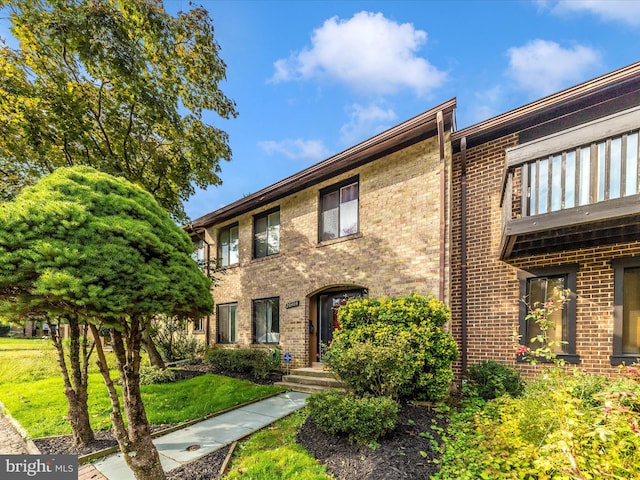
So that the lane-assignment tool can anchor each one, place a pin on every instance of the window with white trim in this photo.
(266, 234)
(266, 320)
(227, 317)
(228, 246)
(339, 210)
(199, 252)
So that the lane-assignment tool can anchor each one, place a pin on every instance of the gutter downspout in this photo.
(441, 286)
(463, 252)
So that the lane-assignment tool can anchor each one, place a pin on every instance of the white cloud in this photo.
(625, 11)
(544, 67)
(296, 149)
(365, 121)
(367, 52)
(486, 104)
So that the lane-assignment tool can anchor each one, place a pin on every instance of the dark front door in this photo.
(328, 305)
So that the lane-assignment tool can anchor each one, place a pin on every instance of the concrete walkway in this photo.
(190, 443)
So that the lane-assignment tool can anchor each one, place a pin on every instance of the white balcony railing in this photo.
(603, 170)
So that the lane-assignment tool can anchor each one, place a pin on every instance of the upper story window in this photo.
(339, 210)
(228, 246)
(199, 252)
(266, 234)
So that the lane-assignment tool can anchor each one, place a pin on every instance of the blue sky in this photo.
(312, 78)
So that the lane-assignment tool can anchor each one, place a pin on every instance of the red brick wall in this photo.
(493, 286)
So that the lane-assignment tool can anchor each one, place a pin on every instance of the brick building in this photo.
(370, 220)
(533, 201)
(547, 198)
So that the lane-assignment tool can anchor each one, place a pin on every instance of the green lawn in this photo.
(31, 388)
(274, 454)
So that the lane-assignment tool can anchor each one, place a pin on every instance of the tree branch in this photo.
(127, 135)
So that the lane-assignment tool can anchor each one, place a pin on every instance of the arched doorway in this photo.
(323, 316)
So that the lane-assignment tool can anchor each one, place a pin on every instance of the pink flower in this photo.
(522, 349)
(607, 410)
(632, 370)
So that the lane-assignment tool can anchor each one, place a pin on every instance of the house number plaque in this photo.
(292, 304)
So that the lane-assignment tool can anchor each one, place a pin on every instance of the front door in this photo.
(328, 305)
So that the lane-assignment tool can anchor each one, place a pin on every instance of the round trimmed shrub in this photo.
(363, 419)
(394, 347)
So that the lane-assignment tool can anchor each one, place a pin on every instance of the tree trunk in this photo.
(150, 347)
(135, 441)
(75, 385)
(119, 430)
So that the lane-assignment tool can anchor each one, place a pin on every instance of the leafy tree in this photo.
(85, 244)
(120, 86)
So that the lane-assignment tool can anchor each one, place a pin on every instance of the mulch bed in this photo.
(402, 454)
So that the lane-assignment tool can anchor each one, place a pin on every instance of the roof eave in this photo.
(407, 133)
(550, 107)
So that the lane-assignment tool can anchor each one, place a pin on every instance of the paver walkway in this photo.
(11, 442)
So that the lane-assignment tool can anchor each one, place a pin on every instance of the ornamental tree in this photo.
(120, 86)
(85, 245)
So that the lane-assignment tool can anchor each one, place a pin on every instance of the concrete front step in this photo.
(299, 387)
(312, 372)
(311, 380)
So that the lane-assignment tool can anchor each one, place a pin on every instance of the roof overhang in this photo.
(412, 131)
(607, 93)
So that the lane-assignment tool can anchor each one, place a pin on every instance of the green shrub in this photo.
(394, 346)
(490, 379)
(150, 375)
(172, 339)
(255, 362)
(381, 370)
(566, 425)
(363, 419)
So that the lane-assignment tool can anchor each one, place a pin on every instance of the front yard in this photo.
(565, 425)
(32, 390)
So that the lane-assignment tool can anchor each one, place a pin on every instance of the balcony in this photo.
(575, 189)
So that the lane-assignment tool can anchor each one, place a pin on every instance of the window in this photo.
(228, 246)
(626, 312)
(198, 254)
(266, 320)
(198, 325)
(228, 323)
(339, 210)
(543, 285)
(266, 234)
